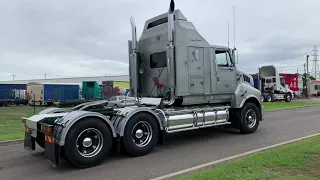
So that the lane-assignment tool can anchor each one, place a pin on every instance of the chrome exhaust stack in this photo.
(170, 55)
(134, 61)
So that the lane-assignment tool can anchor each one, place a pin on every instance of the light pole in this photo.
(308, 79)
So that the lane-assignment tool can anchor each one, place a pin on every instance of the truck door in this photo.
(226, 72)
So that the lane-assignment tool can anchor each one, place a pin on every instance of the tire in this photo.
(288, 97)
(246, 128)
(269, 98)
(146, 123)
(99, 142)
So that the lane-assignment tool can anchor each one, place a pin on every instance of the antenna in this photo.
(228, 34)
(234, 32)
(234, 27)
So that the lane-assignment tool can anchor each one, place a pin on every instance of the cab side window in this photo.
(223, 58)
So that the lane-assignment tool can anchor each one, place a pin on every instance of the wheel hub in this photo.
(142, 133)
(87, 142)
(139, 133)
(251, 118)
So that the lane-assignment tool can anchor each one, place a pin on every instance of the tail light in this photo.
(23, 121)
(123, 101)
(47, 128)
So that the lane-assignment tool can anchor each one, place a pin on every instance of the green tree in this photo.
(304, 79)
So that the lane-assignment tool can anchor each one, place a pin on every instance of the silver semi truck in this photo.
(179, 82)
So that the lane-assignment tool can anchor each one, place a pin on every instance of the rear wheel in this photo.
(249, 118)
(141, 134)
(88, 142)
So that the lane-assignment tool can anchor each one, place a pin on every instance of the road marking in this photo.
(230, 158)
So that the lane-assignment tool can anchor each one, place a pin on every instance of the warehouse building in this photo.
(75, 80)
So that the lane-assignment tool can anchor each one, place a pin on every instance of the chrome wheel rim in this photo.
(89, 142)
(141, 134)
(251, 118)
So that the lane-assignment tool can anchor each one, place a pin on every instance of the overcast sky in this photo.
(88, 38)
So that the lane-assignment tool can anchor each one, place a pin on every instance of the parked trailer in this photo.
(49, 93)
(13, 94)
(273, 86)
(200, 87)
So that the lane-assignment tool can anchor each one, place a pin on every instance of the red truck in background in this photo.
(294, 81)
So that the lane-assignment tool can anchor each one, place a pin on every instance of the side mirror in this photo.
(234, 51)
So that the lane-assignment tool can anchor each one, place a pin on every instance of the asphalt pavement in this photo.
(180, 151)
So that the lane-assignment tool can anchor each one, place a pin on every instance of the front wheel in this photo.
(141, 134)
(269, 98)
(88, 142)
(288, 97)
(249, 118)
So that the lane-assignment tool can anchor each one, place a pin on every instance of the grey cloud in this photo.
(76, 38)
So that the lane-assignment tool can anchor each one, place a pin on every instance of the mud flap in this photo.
(52, 151)
(29, 141)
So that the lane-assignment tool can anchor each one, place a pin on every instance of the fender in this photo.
(54, 110)
(246, 98)
(75, 116)
(244, 92)
(123, 116)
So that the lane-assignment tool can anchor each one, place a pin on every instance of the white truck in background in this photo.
(194, 85)
(273, 86)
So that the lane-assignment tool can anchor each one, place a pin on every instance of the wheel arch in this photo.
(69, 121)
(122, 125)
(255, 101)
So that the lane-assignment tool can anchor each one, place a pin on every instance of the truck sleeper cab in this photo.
(192, 85)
